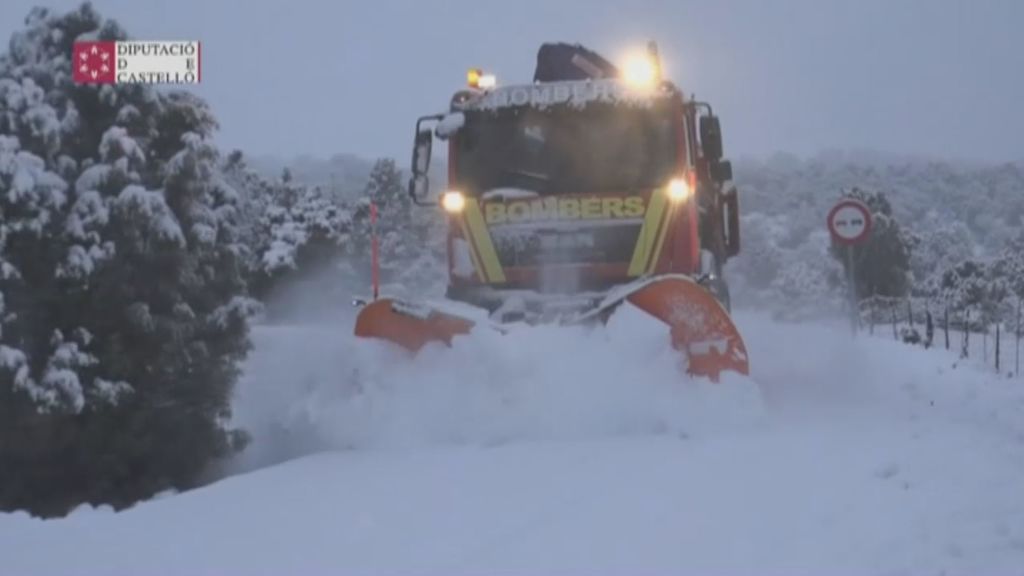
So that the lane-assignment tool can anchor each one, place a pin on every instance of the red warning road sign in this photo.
(849, 221)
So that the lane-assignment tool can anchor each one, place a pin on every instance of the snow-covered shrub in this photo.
(122, 302)
(289, 230)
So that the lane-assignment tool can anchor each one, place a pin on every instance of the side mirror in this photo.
(721, 171)
(419, 187)
(731, 209)
(711, 137)
(421, 152)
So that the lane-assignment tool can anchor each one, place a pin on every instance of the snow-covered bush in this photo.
(290, 230)
(792, 278)
(122, 303)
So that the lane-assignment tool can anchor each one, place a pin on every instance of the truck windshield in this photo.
(567, 150)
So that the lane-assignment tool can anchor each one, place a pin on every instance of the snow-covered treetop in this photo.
(576, 93)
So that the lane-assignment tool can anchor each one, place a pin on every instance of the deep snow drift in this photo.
(574, 451)
(319, 389)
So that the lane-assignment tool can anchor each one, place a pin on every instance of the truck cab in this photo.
(570, 197)
(569, 187)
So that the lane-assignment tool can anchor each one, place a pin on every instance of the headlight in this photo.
(640, 71)
(453, 202)
(679, 190)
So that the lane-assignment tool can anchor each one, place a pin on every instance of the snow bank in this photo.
(550, 450)
(561, 452)
(532, 384)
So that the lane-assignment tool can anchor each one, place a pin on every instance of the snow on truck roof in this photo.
(578, 93)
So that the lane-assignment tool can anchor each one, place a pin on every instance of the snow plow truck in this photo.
(593, 186)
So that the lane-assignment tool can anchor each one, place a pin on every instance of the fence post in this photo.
(965, 326)
(1016, 367)
(997, 346)
(984, 343)
(871, 315)
(929, 329)
(895, 320)
(945, 325)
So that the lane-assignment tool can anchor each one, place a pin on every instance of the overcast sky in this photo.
(927, 77)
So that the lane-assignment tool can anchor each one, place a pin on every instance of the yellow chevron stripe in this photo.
(482, 239)
(646, 241)
(661, 235)
(472, 250)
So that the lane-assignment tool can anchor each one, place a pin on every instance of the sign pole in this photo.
(851, 281)
(849, 223)
(374, 252)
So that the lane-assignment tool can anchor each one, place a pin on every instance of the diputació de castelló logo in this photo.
(137, 62)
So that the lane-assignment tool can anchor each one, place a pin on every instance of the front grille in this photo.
(591, 243)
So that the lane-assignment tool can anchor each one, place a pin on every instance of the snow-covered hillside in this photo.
(586, 453)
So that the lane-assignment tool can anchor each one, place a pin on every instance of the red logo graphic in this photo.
(94, 62)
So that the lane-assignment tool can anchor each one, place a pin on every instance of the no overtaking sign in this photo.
(849, 221)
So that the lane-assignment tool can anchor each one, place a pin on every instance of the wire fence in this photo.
(992, 336)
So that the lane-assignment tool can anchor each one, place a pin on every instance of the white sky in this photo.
(924, 77)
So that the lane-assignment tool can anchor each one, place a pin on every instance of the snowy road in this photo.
(589, 456)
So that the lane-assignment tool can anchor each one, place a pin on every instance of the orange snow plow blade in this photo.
(409, 326)
(700, 326)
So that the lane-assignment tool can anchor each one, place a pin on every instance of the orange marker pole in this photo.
(374, 256)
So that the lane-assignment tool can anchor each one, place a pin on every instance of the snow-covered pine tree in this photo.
(291, 230)
(398, 241)
(253, 201)
(394, 216)
(411, 237)
(938, 244)
(124, 313)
